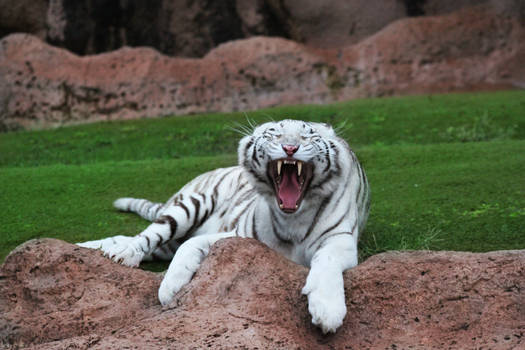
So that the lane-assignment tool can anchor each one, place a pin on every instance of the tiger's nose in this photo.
(290, 149)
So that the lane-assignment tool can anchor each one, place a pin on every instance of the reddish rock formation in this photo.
(54, 295)
(52, 290)
(465, 50)
(45, 86)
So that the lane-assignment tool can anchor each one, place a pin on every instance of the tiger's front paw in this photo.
(327, 313)
(125, 254)
(326, 301)
(184, 264)
(170, 285)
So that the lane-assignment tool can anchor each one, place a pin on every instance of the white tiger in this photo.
(298, 188)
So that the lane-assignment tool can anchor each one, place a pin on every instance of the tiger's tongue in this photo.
(289, 189)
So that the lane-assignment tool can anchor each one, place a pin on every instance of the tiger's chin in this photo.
(290, 178)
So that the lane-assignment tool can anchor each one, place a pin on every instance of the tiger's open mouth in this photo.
(291, 178)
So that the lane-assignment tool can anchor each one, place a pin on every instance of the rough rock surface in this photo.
(52, 290)
(470, 49)
(54, 295)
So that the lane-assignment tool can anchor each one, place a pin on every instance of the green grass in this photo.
(446, 171)
(388, 121)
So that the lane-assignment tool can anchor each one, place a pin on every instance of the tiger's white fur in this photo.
(322, 233)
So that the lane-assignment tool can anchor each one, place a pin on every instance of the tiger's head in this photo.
(292, 160)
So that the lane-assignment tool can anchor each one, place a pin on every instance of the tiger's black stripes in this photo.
(212, 210)
(172, 224)
(336, 156)
(316, 217)
(254, 228)
(338, 222)
(327, 157)
(249, 144)
(235, 221)
(184, 207)
(276, 230)
(254, 156)
(244, 197)
(204, 218)
(197, 205)
(219, 182)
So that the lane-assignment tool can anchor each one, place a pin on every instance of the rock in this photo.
(47, 86)
(52, 290)
(335, 23)
(469, 49)
(54, 295)
(44, 86)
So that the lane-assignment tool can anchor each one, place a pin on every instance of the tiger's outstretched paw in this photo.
(184, 265)
(170, 285)
(126, 255)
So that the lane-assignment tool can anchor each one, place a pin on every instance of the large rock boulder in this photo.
(55, 295)
(45, 86)
(468, 49)
(52, 290)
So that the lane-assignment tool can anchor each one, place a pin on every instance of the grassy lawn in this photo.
(446, 171)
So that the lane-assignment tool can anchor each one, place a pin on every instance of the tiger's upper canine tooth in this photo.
(279, 165)
(299, 168)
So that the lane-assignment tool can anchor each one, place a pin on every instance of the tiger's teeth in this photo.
(279, 165)
(299, 168)
(281, 205)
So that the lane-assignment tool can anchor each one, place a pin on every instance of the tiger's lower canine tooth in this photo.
(279, 165)
(299, 168)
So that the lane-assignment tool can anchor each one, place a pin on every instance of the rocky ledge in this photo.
(55, 295)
